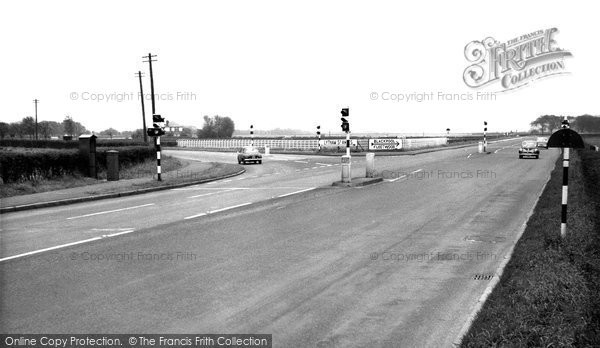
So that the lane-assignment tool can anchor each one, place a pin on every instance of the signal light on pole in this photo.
(345, 125)
(345, 112)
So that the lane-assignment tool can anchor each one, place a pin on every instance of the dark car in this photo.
(529, 148)
(249, 154)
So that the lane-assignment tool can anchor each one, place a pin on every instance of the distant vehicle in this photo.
(542, 142)
(247, 154)
(529, 148)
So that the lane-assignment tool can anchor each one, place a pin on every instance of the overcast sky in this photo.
(283, 64)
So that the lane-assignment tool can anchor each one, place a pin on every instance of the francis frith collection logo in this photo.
(516, 62)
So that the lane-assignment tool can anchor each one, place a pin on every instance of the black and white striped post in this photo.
(484, 136)
(252, 135)
(158, 169)
(565, 193)
(566, 139)
(319, 136)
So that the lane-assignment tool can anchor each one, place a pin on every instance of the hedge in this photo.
(66, 144)
(19, 165)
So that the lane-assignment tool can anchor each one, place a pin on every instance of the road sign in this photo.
(337, 142)
(566, 137)
(385, 144)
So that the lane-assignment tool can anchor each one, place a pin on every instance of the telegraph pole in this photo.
(36, 101)
(139, 74)
(149, 61)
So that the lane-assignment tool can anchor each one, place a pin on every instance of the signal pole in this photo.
(35, 101)
(346, 163)
(252, 135)
(139, 74)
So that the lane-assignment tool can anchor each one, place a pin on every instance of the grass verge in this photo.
(548, 293)
(135, 171)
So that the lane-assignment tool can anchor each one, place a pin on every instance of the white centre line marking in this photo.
(229, 180)
(110, 211)
(301, 161)
(296, 192)
(497, 150)
(323, 164)
(217, 211)
(469, 156)
(48, 249)
(211, 193)
(416, 171)
(398, 178)
(194, 216)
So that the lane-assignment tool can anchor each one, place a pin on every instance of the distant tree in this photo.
(110, 132)
(68, 125)
(15, 130)
(28, 126)
(4, 129)
(547, 123)
(217, 127)
(187, 132)
(586, 124)
(138, 134)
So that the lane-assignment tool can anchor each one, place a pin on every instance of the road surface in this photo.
(277, 250)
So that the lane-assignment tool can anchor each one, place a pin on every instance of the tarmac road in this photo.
(391, 264)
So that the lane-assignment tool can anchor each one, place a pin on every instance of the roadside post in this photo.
(87, 149)
(346, 160)
(480, 147)
(566, 139)
(370, 165)
(112, 165)
(319, 136)
(484, 136)
(156, 131)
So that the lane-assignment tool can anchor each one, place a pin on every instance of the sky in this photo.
(280, 64)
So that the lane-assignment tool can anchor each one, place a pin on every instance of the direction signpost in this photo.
(566, 139)
(385, 144)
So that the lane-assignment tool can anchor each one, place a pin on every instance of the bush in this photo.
(31, 165)
(127, 155)
(66, 144)
(19, 165)
(32, 143)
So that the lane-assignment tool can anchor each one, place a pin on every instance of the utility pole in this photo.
(139, 74)
(149, 61)
(36, 101)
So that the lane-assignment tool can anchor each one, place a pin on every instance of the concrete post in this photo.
(346, 169)
(267, 151)
(370, 165)
(480, 149)
(112, 165)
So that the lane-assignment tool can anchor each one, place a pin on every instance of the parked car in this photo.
(249, 154)
(529, 148)
(542, 142)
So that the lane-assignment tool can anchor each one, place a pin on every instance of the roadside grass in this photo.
(146, 168)
(549, 293)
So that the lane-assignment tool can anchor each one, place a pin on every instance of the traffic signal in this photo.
(345, 112)
(318, 130)
(345, 124)
(157, 119)
(485, 124)
(155, 132)
(251, 129)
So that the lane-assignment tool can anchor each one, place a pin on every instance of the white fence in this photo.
(303, 144)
